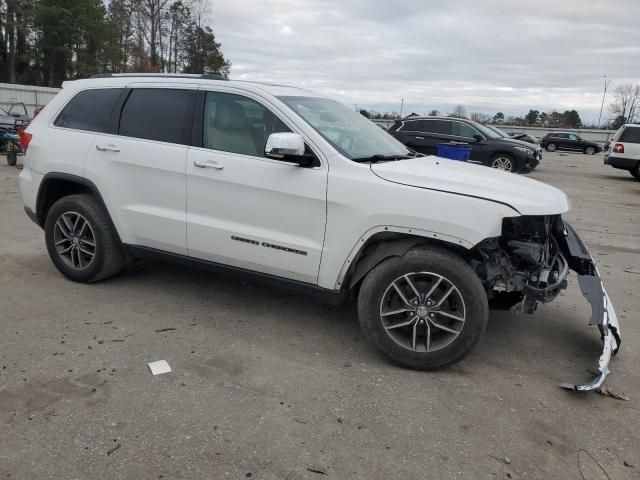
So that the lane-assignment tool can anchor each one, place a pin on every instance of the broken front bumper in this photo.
(602, 312)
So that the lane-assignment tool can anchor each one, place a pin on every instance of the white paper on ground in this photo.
(159, 367)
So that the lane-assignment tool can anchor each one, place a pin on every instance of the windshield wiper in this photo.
(380, 158)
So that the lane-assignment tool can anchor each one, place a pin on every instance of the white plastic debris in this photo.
(159, 367)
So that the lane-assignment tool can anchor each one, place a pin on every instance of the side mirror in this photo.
(288, 147)
(477, 137)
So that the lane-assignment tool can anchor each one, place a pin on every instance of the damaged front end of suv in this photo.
(529, 264)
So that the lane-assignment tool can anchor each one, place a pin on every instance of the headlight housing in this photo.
(526, 150)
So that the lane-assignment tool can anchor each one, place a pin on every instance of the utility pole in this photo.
(606, 84)
(401, 106)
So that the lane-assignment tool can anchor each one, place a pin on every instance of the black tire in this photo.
(107, 259)
(551, 147)
(12, 159)
(498, 162)
(437, 261)
(636, 171)
(589, 151)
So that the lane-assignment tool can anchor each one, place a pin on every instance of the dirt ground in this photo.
(269, 384)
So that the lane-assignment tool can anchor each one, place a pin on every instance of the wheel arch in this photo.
(386, 244)
(519, 164)
(57, 185)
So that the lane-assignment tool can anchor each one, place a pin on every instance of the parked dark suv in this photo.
(569, 141)
(423, 134)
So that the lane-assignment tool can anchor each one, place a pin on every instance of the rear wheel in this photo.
(551, 147)
(589, 150)
(12, 158)
(80, 240)
(503, 162)
(424, 310)
(636, 171)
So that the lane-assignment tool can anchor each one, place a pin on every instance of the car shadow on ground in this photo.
(527, 341)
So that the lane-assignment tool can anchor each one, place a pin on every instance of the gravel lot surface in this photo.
(270, 384)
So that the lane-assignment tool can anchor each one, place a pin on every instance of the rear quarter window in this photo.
(442, 127)
(413, 126)
(631, 135)
(91, 110)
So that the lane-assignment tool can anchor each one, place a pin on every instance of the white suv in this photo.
(287, 184)
(623, 151)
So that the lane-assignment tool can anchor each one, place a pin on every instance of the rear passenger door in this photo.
(140, 171)
(561, 140)
(431, 133)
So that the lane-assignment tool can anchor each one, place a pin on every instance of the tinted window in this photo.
(463, 130)
(560, 135)
(413, 126)
(91, 110)
(157, 114)
(631, 135)
(237, 124)
(442, 127)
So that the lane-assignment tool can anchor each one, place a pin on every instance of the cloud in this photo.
(489, 56)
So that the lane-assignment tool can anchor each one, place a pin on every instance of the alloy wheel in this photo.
(422, 311)
(502, 163)
(74, 240)
(551, 147)
(590, 151)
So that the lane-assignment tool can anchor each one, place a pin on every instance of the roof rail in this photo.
(204, 76)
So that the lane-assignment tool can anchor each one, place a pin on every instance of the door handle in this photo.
(107, 148)
(207, 164)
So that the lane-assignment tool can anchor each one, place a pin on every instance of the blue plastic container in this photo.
(454, 152)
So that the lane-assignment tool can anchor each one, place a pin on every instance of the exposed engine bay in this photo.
(529, 264)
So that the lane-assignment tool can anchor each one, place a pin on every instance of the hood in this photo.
(522, 143)
(527, 196)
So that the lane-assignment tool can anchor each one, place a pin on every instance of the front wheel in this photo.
(80, 239)
(424, 310)
(589, 151)
(503, 162)
(551, 147)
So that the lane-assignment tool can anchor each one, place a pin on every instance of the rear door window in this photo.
(631, 135)
(161, 114)
(91, 110)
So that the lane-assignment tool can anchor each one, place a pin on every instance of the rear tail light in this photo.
(618, 148)
(25, 138)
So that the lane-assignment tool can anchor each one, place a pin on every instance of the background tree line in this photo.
(45, 42)
(625, 108)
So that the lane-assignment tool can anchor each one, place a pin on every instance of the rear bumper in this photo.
(621, 162)
(602, 312)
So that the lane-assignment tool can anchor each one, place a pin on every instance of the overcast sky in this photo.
(489, 55)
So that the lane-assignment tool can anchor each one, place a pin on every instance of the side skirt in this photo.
(333, 297)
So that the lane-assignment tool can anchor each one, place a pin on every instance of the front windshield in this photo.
(353, 135)
(502, 133)
(488, 132)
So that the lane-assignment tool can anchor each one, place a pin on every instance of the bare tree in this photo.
(626, 103)
(481, 117)
(459, 112)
